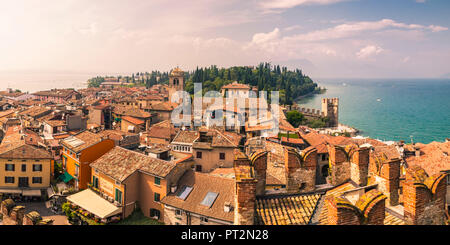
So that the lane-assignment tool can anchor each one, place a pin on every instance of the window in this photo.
(198, 168)
(118, 196)
(9, 167)
(199, 154)
(37, 180)
(222, 156)
(157, 197)
(323, 157)
(24, 167)
(77, 171)
(95, 181)
(9, 180)
(209, 199)
(204, 219)
(184, 192)
(157, 181)
(178, 212)
(37, 167)
(65, 162)
(155, 213)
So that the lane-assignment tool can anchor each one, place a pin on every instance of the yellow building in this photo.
(24, 169)
(78, 152)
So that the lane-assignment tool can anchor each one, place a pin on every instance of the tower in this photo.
(176, 81)
(330, 108)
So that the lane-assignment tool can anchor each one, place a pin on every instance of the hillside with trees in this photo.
(291, 84)
(266, 77)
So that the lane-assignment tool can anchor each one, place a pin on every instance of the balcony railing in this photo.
(105, 196)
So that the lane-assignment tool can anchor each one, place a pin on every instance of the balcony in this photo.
(103, 195)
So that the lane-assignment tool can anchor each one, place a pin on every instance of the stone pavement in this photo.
(44, 212)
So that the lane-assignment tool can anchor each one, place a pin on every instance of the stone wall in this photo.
(369, 209)
(15, 215)
(424, 197)
(300, 170)
(259, 162)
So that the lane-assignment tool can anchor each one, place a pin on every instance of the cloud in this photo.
(369, 51)
(291, 28)
(434, 28)
(421, 1)
(259, 38)
(286, 4)
(91, 30)
(352, 29)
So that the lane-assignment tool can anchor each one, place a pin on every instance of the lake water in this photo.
(391, 109)
(38, 81)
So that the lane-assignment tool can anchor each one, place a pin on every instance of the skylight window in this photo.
(184, 192)
(209, 199)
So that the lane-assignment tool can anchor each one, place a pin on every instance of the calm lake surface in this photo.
(391, 109)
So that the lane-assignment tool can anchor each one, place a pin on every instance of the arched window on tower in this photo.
(176, 82)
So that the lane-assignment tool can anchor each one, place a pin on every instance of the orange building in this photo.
(79, 151)
(130, 179)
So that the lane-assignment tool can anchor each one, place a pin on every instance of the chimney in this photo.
(359, 167)
(173, 188)
(245, 197)
(227, 207)
(417, 151)
(259, 162)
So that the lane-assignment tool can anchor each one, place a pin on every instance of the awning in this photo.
(95, 204)
(11, 191)
(66, 177)
(31, 193)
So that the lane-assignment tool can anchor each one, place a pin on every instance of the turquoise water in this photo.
(419, 108)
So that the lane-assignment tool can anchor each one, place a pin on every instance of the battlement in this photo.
(311, 112)
(330, 101)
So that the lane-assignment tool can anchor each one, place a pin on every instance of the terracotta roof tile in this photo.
(434, 157)
(286, 210)
(119, 163)
(186, 137)
(133, 120)
(81, 141)
(203, 183)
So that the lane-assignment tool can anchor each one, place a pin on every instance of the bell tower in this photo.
(176, 81)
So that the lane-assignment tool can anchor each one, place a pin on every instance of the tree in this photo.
(295, 118)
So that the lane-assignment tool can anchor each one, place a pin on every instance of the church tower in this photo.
(330, 108)
(176, 81)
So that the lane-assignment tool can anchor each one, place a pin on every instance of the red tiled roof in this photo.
(434, 157)
(292, 140)
(236, 85)
(133, 120)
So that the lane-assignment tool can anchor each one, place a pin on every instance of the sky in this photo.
(324, 38)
